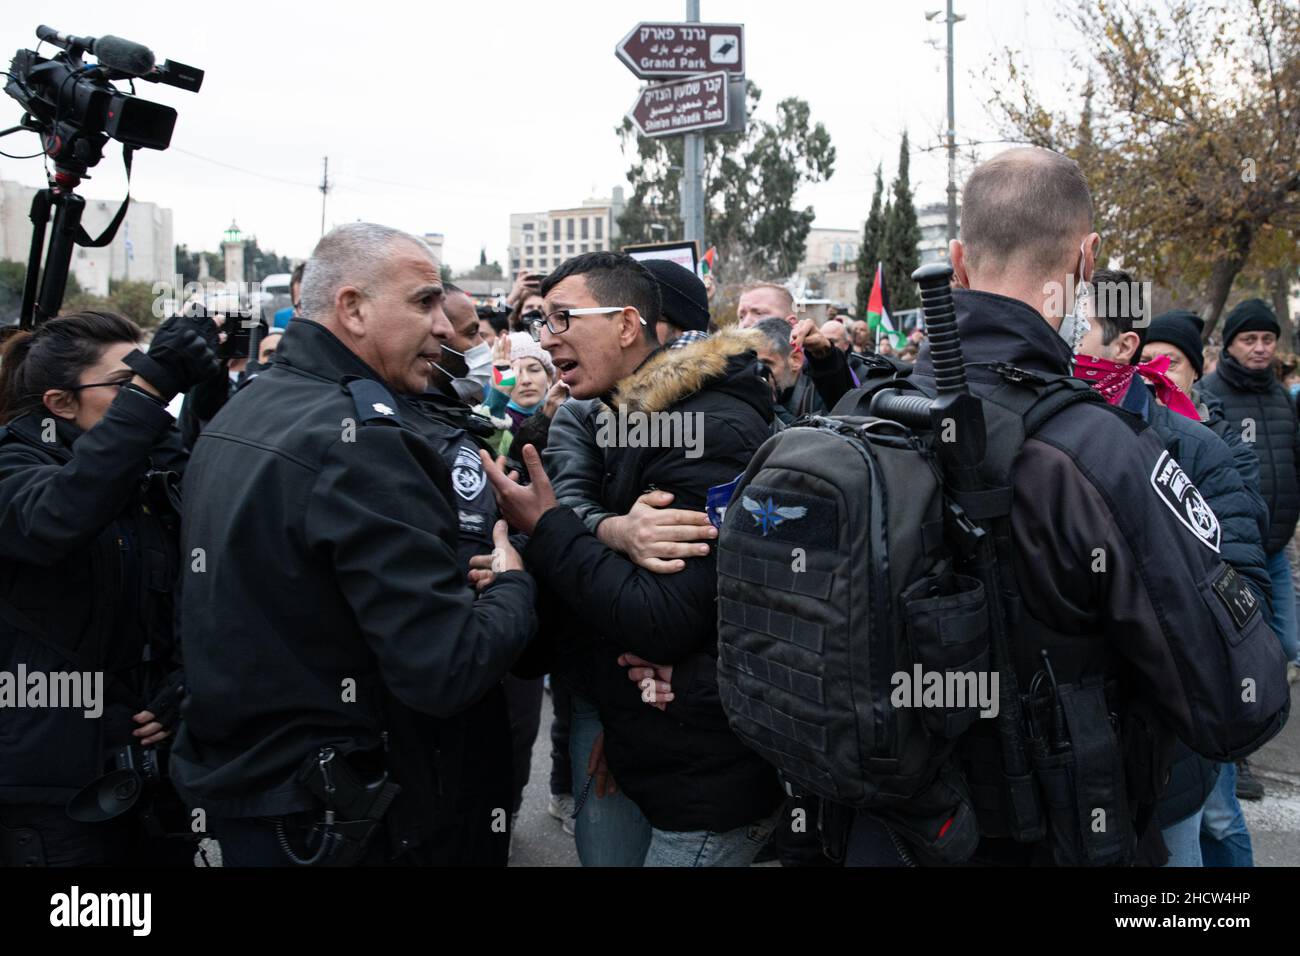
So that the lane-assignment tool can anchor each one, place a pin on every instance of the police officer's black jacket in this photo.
(329, 543)
(471, 750)
(683, 766)
(1229, 480)
(88, 560)
(1167, 609)
(1214, 469)
(1257, 397)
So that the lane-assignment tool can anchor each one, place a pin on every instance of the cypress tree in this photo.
(902, 234)
(873, 241)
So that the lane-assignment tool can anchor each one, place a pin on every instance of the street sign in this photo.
(682, 106)
(657, 50)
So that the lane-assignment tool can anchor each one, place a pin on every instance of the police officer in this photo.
(88, 556)
(1152, 642)
(472, 750)
(324, 602)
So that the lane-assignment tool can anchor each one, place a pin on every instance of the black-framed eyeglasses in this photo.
(558, 321)
(118, 384)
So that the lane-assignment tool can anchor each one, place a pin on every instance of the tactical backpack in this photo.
(843, 582)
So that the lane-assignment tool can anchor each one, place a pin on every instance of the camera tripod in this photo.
(43, 289)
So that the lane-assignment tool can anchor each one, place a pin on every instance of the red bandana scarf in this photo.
(1112, 380)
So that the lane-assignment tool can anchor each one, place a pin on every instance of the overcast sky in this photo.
(447, 117)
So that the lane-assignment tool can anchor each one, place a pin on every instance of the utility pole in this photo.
(324, 191)
(693, 166)
(952, 134)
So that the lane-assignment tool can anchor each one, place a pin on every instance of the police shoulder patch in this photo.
(373, 401)
(1178, 493)
(467, 474)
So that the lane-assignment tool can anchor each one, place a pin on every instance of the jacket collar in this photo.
(1245, 379)
(996, 328)
(314, 349)
(30, 429)
(670, 375)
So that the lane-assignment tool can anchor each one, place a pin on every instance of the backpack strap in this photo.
(1017, 406)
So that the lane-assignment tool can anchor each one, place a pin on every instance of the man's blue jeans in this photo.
(612, 830)
(1183, 841)
(736, 847)
(1284, 624)
(1216, 834)
(1225, 841)
(609, 830)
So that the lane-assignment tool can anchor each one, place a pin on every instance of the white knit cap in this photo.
(522, 346)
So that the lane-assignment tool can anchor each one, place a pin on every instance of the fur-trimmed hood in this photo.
(675, 374)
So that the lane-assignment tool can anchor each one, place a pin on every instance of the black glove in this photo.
(182, 354)
(166, 705)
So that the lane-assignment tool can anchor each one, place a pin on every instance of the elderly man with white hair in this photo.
(324, 614)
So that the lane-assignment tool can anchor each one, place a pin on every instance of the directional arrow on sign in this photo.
(659, 50)
(682, 106)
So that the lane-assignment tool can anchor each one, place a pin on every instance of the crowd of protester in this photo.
(370, 547)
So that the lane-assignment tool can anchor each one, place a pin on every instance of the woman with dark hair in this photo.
(525, 299)
(528, 309)
(89, 673)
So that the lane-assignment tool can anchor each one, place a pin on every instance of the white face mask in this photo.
(478, 361)
(1075, 325)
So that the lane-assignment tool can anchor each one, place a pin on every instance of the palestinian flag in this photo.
(706, 264)
(503, 377)
(878, 316)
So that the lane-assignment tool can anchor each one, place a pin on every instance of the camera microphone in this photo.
(113, 53)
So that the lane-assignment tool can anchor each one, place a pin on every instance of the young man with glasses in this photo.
(698, 797)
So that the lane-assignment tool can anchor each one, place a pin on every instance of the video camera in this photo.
(75, 109)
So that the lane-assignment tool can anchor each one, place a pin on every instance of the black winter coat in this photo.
(332, 583)
(88, 561)
(574, 462)
(1092, 477)
(682, 766)
(1213, 469)
(1229, 481)
(1258, 397)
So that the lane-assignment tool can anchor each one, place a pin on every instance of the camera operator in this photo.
(307, 675)
(206, 398)
(88, 558)
(525, 300)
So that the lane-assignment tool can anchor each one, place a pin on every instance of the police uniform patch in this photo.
(1239, 600)
(1188, 505)
(467, 475)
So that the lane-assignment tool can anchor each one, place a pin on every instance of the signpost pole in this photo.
(693, 166)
